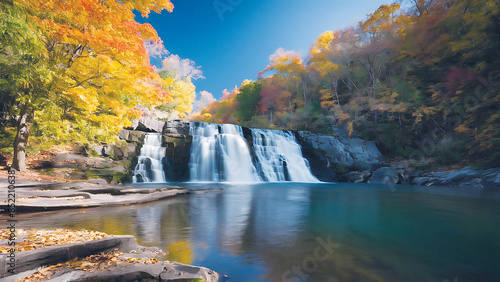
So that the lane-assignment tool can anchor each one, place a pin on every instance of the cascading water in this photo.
(149, 166)
(279, 157)
(219, 153)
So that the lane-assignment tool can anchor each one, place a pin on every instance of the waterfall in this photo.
(220, 153)
(149, 166)
(279, 157)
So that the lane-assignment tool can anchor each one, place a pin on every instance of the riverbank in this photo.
(43, 196)
(63, 254)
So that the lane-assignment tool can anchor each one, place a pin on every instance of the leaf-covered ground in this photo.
(30, 239)
(93, 263)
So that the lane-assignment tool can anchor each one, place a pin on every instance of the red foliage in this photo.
(457, 79)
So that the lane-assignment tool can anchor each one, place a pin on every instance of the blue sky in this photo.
(232, 39)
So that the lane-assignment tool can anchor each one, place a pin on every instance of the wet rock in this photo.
(385, 175)
(176, 127)
(177, 140)
(463, 178)
(183, 272)
(320, 165)
(420, 180)
(340, 153)
(348, 152)
(356, 176)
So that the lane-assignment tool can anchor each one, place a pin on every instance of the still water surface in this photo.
(313, 232)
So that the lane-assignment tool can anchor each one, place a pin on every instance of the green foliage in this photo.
(248, 98)
(388, 136)
(451, 151)
(408, 93)
(23, 62)
(7, 135)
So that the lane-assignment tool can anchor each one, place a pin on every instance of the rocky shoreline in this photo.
(45, 196)
(358, 161)
(332, 158)
(105, 258)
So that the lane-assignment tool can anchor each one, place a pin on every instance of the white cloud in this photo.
(182, 67)
(155, 49)
(280, 52)
(203, 101)
(225, 94)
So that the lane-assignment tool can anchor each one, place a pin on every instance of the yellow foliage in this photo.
(181, 252)
(322, 43)
(100, 64)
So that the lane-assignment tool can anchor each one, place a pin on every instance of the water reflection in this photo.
(271, 232)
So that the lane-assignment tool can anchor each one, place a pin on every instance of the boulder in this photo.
(176, 127)
(320, 165)
(163, 271)
(148, 124)
(463, 178)
(356, 176)
(132, 135)
(343, 151)
(385, 175)
(420, 181)
(79, 149)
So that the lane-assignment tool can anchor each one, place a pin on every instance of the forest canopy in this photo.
(422, 81)
(418, 77)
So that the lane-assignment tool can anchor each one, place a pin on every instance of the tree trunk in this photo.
(335, 85)
(304, 93)
(23, 132)
(374, 81)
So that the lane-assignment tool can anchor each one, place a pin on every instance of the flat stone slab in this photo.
(52, 196)
(55, 254)
(38, 200)
(163, 271)
(28, 262)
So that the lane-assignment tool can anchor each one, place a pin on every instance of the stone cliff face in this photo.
(332, 157)
(177, 140)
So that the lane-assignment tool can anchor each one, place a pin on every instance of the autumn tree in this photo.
(288, 66)
(24, 74)
(99, 70)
